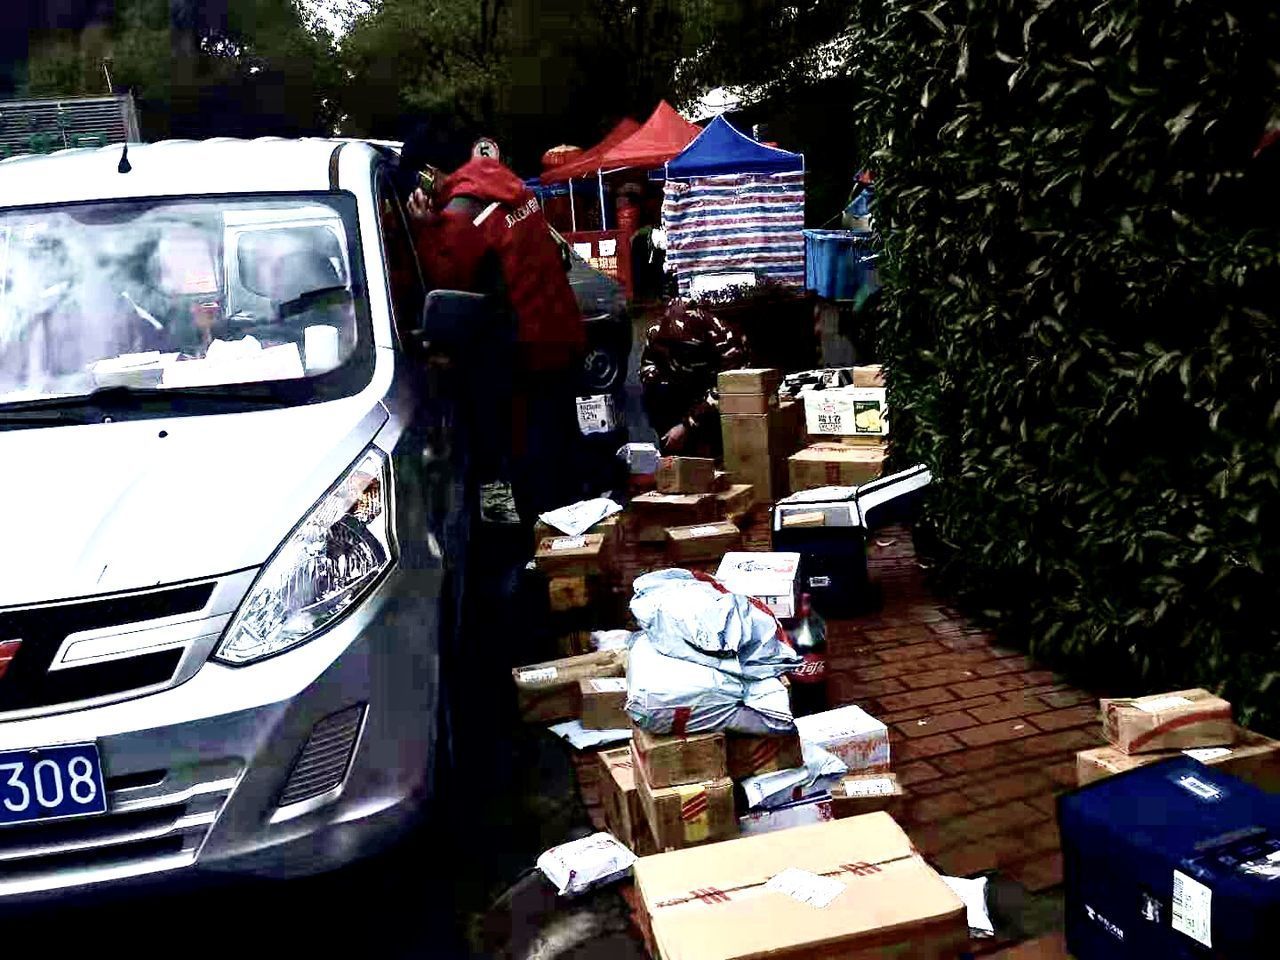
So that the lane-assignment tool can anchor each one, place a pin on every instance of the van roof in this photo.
(173, 168)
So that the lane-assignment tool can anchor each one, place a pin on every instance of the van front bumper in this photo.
(196, 774)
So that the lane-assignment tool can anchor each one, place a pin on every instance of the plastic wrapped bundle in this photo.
(673, 695)
(692, 617)
(822, 770)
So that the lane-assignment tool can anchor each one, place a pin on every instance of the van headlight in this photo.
(326, 564)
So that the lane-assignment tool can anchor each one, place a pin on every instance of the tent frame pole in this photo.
(603, 220)
(573, 214)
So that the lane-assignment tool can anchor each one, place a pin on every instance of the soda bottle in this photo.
(809, 679)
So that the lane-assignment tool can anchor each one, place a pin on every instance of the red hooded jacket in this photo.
(498, 215)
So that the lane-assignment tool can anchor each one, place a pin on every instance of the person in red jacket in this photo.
(480, 229)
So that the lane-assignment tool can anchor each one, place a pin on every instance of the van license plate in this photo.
(51, 783)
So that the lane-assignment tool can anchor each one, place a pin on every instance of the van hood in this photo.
(106, 507)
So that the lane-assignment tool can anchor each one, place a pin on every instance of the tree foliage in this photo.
(1083, 263)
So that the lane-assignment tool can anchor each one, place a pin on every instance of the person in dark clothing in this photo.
(684, 352)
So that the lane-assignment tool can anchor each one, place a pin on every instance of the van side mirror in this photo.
(452, 318)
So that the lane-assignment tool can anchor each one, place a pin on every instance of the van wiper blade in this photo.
(40, 418)
(132, 398)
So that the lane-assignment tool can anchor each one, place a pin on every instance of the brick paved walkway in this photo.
(981, 737)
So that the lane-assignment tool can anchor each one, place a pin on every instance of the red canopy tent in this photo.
(585, 163)
(662, 137)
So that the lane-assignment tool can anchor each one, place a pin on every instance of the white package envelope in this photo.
(692, 619)
(822, 770)
(661, 690)
(579, 865)
(577, 518)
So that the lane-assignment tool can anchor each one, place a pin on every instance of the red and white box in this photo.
(852, 734)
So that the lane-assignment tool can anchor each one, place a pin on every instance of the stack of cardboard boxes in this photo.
(696, 501)
(1143, 730)
(759, 433)
(847, 429)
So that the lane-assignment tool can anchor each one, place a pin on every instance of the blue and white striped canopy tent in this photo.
(733, 205)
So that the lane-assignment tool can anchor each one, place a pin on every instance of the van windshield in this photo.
(156, 295)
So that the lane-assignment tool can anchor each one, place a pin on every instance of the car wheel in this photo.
(602, 371)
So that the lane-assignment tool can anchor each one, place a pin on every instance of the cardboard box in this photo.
(688, 814)
(602, 701)
(597, 414)
(852, 734)
(756, 447)
(769, 577)
(872, 375)
(547, 692)
(1252, 757)
(571, 556)
(666, 760)
(686, 475)
(703, 541)
(749, 756)
(756, 381)
(568, 593)
(847, 411)
(791, 815)
(652, 513)
(861, 794)
(610, 528)
(623, 812)
(835, 465)
(739, 404)
(735, 501)
(872, 897)
(1168, 721)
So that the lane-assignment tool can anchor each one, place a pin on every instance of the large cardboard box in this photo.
(1174, 859)
(686, 475)
(688, 814)
(862, 793)
(872, 375)
(768, 577)
(652, 513)
(602, 701)
(850, 889)
(749, 756)
(569, 593)
(852, 734)
(756, 447)
(835, 465)
(571, 556)
(847, 411)
(1168, 721)
(669, 759)
(623, 812)
(738, 404)
(702, 541)
(1252, 757)
(547, 692)
(755, 381)
(734, 502)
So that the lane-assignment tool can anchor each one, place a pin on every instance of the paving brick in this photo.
(1077, 716)
(1006, 709)
(1012, 664)
(1046, 803)
(915, 698)
(1050, 947)
(882, 671)
(1004, 819)
(1017, 786)
(913, 774)
(844, 689)
(927, 747)
(941, 807)
(1068, 698)
(954, 660)
(899, 633)
(996, 732)
(1048, 744)
(1063, 774)
(1038, 873)
(913, 651)
(924, 710)
(983, 856)
(979, 758)
(937, 678)
(1011, 681)
(937, 723)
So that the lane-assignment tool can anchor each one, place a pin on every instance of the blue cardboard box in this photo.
(1174, 860)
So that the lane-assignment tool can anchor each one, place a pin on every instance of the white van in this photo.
(230, 512)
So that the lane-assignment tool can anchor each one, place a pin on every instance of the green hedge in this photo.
(1083, 279)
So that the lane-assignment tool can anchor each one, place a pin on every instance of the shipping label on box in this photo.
(767, 577)
(686, 475)
(859, 794)
(571, 556)
(549, 691)
(688, 814)
(851, 888)
(848, 411)
(670, 759)
(596, 414)
(750, 756)
(852, 734)
(1168, 721)
(602, 701)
